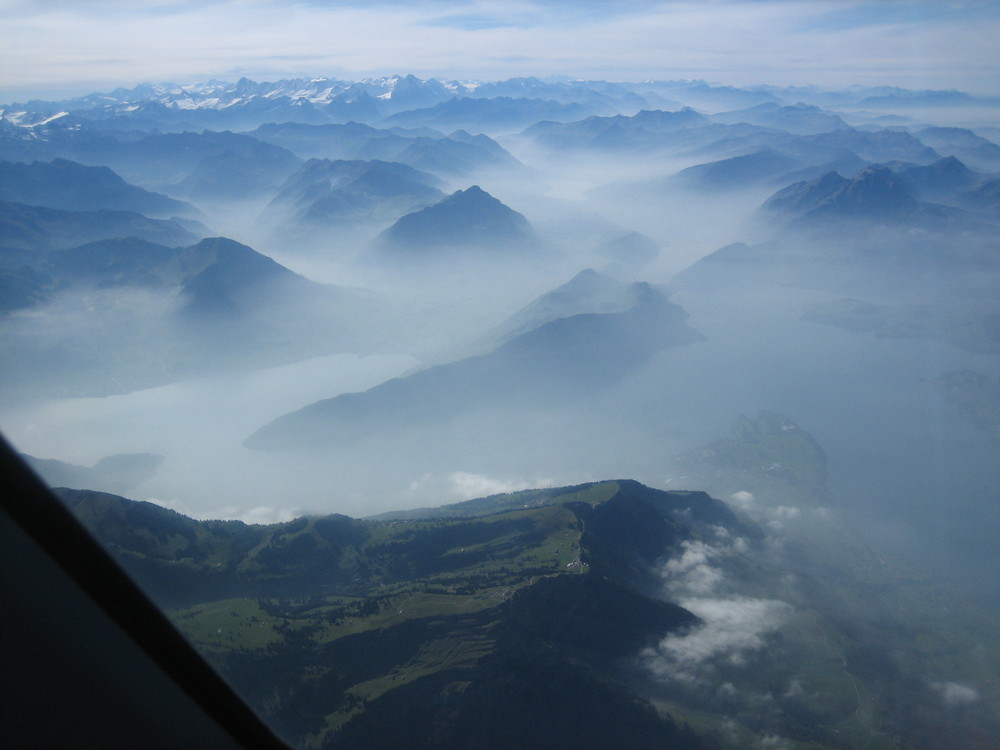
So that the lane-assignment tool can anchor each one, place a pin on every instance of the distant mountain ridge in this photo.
(428, 150)
(394, 92)
(325, 193)
(881, 193)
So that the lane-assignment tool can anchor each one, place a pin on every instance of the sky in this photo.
(68, 47)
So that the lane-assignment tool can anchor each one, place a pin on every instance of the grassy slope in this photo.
(454, 626)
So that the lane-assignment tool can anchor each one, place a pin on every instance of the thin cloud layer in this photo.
(61, 48)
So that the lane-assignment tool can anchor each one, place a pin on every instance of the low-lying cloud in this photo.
(468, 485)
(955, 694)
(732, 629)
(732, 626)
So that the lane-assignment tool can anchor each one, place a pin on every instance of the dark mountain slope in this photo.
(878, 195)
(876, 146)
(498, 631)
(542, 619)
(27, 227)
(801, 197)
(71, 186)
(203, 164)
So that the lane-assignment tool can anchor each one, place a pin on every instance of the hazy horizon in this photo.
(64, 49)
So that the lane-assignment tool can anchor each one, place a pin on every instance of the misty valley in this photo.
(530, 413)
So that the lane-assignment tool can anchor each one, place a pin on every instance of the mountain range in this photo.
(204, 271)
(244, 104)
(38, 228)
(881, 227)
(581, 616)
(458, 153)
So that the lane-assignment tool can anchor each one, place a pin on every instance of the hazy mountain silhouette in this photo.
(71, 186)
(486, 115)
(39, 228)
(801, 119)
(942, 180)
(468, 222)
(550, 363)
(737, 172)
(324, 193)
(423, 149)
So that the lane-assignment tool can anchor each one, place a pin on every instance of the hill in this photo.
(469, 221)
(414, 629)
(580, 616)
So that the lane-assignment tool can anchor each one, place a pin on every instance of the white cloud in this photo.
(955, 694)
(696, 570)
(267, 514)
(261, 514)
(692, 572)
(786, 511)
(468, 485)
(731, 629)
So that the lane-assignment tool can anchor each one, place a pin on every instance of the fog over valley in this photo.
(465, 355)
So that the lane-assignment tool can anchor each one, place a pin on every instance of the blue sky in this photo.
(59, 47)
